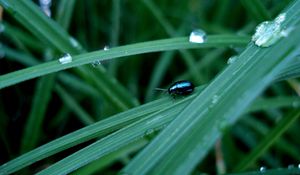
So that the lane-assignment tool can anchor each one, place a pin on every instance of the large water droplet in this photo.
(197, 36)
(269, 32)
(262, 169)
(299, 165)
(232, 59)
(215, 99)
(67, 58)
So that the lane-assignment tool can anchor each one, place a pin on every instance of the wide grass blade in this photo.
(186, 141)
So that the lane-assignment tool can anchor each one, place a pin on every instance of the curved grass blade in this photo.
(133, 49)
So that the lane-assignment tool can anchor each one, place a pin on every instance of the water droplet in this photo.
(269, 32)
(197, 36)
(232, 59)
(106, 48)
(45, 6)
(67, 58)
(262, 169)
(299, 165)
(291, 166)
(215, 99)
(96, 63)
(149, 131)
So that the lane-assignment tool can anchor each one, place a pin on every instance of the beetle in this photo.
(180, 88)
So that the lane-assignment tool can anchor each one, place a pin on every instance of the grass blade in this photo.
(186, 141)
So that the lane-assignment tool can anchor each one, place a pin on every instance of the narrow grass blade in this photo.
(87, 133)
(268, 140)
(83, 116)
(133, 49)
(33, 126)
(64, 13)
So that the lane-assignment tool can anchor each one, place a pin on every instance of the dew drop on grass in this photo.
(149, 131)
(232, 59)
(197, 36)
(299, 165)
(215, 99)
(268, 33)
(106, 48)
(45, 6)
(67, 58)
(262, 169)
(98, 62)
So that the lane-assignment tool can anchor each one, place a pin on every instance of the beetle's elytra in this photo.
(181, 88)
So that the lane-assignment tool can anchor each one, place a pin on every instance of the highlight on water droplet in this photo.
(232, 59)
(299, 165)
(67, 58)
(268, 33)
(197, 36)
(262, 169)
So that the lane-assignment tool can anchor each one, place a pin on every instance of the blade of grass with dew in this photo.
(98, 129)
(268, 140)
(261, 128)
(28, 14)
(83, 116)
(105, 161)
(117, 140)
(33, 127)
(257, 10)
(185, 142)
(122, 51)
(279, 171)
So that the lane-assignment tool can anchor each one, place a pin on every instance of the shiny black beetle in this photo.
(181, 88)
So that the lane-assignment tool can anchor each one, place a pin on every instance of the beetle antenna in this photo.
(160, 89)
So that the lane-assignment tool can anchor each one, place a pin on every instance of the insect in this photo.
(180, 88)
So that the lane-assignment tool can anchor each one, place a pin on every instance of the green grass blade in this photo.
(280, 171)
(64, 13)
(117, 140)
(28, 14)
(186, 141)
(268, 140)
(33, 126)
(122, 51)
(90, 132)
(83, 116)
